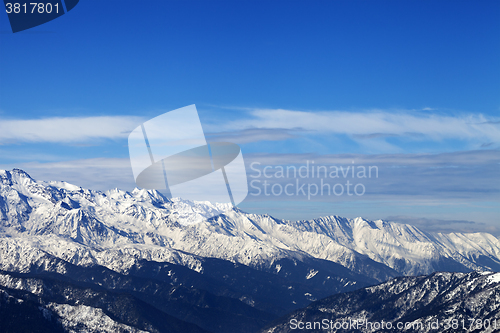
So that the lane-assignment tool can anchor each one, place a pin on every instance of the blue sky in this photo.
(410, 86)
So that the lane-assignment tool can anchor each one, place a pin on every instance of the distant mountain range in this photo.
(139, 261)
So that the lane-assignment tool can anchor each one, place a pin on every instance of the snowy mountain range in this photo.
(246, 266)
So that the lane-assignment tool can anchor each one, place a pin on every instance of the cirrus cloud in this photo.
(66, 129)
(375, 124)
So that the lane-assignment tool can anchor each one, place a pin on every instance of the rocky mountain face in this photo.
(440, 302)
(232, 272)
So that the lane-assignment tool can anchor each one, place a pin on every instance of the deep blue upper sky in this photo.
(118, 57)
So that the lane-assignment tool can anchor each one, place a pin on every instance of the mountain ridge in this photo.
(256, 262)
(142, 219)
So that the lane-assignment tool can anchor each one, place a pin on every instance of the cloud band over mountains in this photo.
(271, 125)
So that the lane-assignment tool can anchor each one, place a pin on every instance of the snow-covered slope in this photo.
(440, 302)
(115, 228)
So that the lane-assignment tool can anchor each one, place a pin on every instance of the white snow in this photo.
(116, 228)
(494, 278)
(82, 318)
(311, 274)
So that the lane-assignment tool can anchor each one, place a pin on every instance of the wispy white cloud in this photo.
(460, 158)
(66, 130)
(376, 123)
(272, 125)
(252, 135)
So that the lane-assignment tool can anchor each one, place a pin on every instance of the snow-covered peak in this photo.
(16, 178)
